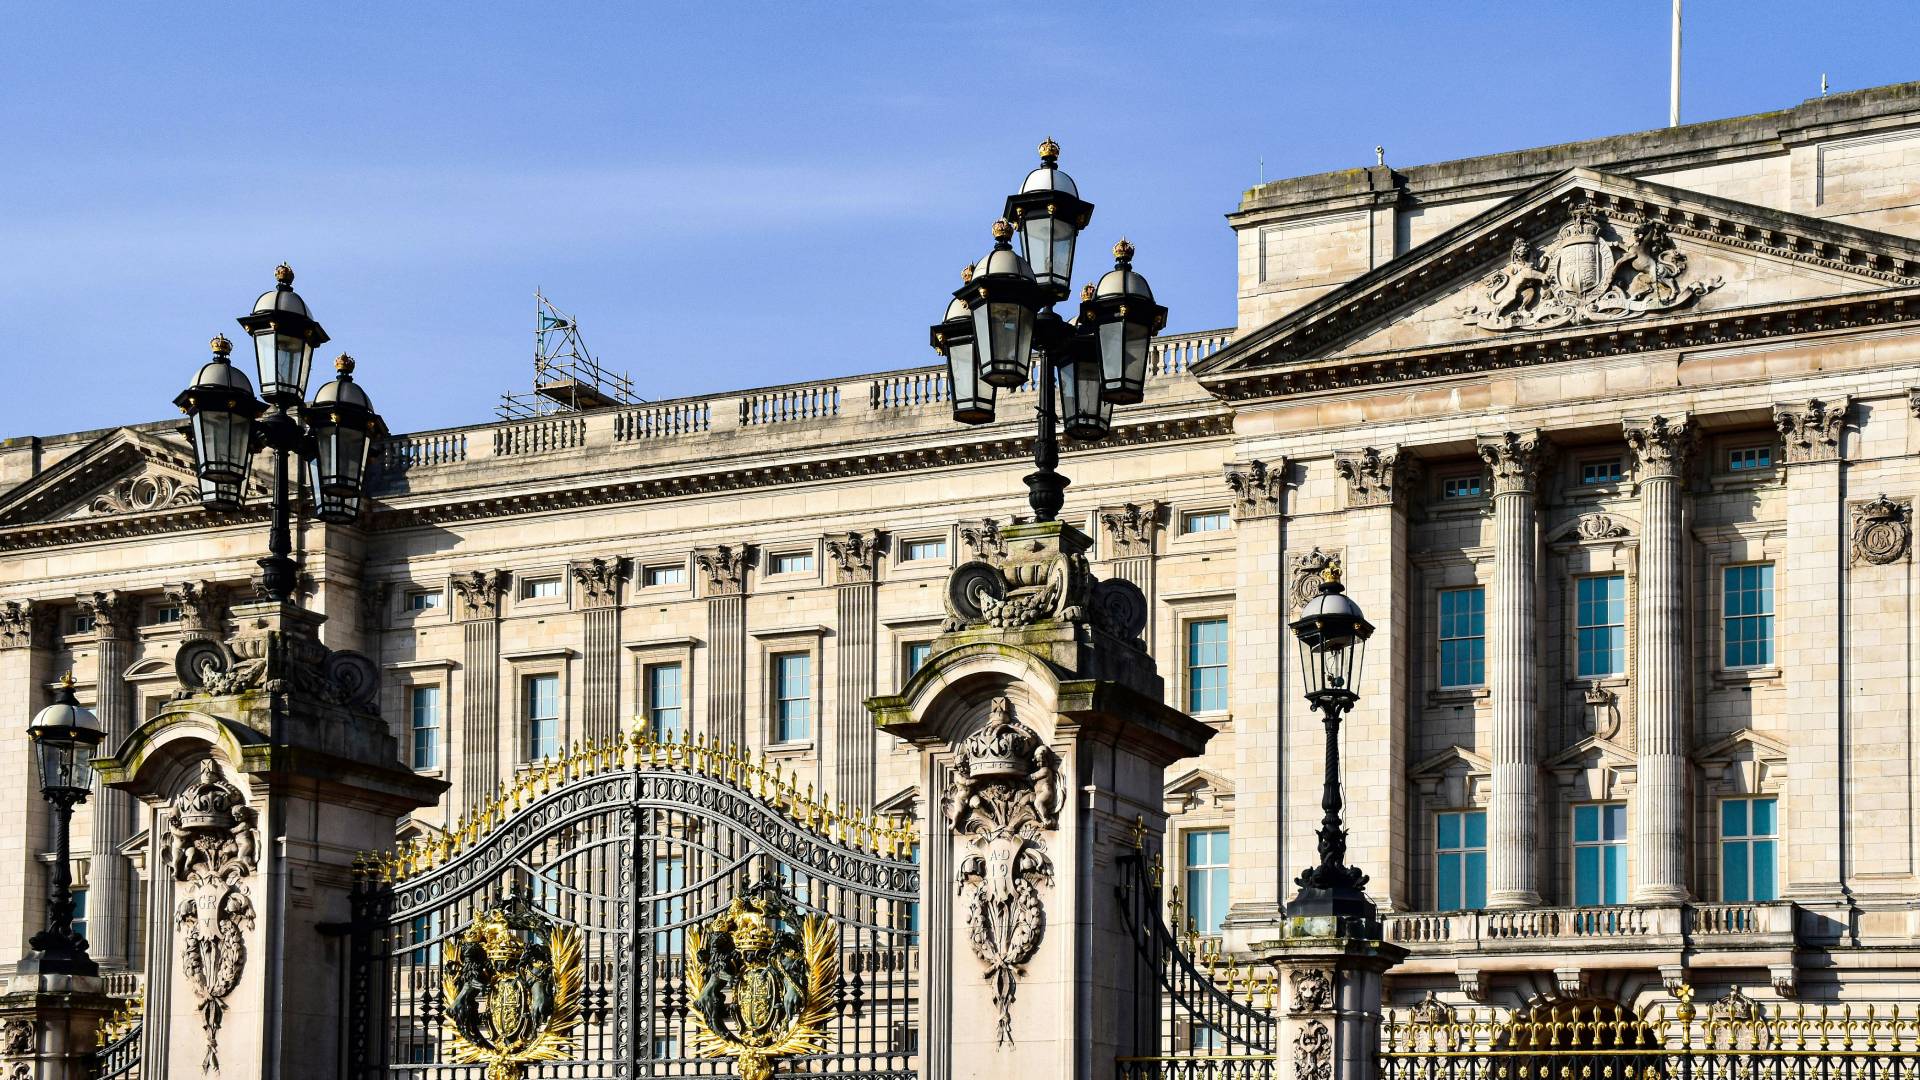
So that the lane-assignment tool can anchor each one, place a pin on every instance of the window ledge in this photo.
(797, 746)
(1458, 695)
(1597, 682)
(1746, 676)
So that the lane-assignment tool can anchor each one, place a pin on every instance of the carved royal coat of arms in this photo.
(1585, 276)
(764, 982)
(513, 980)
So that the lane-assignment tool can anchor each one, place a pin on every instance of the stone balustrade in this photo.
(1582, 929)
(920, 393)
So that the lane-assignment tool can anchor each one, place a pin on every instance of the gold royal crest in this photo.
(513, 981)
(765, 982)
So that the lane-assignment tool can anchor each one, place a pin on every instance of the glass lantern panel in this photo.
(1004, 333)
(972, 399)
(220, 442)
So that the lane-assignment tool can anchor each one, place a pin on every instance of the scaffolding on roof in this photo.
(566, 377)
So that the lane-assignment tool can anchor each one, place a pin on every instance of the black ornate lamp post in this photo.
(1333, 643)
(229, 425)
(64, 735)
(1002, 318)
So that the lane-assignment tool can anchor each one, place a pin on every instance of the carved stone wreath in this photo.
(1882, 530)
(1312, 1052)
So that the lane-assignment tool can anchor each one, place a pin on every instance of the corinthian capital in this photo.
(599, 580)
(1131, 527)
(1257, 488)
(725, 567)
(1811, 432)
(203, 606)
(855, 555)
(21, 621)
(1661, 444)
(1516, 458)
(480, 592)
(115, 614)
(1373, 475)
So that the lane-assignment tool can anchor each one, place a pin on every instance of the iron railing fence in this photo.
(118, 1055)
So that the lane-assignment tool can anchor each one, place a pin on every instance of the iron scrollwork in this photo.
(512, 982)
(1003, 795)
(764, 982)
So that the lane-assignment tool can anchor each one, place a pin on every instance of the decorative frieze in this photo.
(1590, 273)
(1305, 572)
(1257, 488)
(1131, 528)
(1661, 445)
(115, 614)
(480, 592)
(1882, 530)
(724, 566)
(1373, 475)
(1810, 432)
(855, 555)
(1515, 458)
(599, 580)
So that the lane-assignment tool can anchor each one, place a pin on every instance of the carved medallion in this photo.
(1002, 797)
(1590, 273)
(1598, 527)
(513, 981)
(212, 847)
(763, 982)
(1312, 1052)
(1882, 530)
(1307, 571)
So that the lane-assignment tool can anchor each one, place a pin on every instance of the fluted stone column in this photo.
(599, 581)
(1130, 533)
(28, 637)
(1513, 661)
(116, 617)
(1662, 721)
(724, 570)
(1260, 697)
(1374, 734)
(479, 593)
(854, 560)
(1808, 587)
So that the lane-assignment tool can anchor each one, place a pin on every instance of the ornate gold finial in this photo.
(343, 364)
(1049, 150)
(966, 273)
(66, 681)
(1123, 250)
(1086, 291)
(220, 345)
(1002, 229)
(283, 274)
(1331, 575)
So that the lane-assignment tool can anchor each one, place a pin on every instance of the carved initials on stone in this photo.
(1307, 572)
(1882, 530)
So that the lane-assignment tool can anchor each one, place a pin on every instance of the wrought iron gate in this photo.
(636, 845)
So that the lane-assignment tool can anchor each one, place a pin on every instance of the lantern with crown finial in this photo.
(221, 409)
(344, 425)
(1124, 319)
(953, 337)
(1049, 213)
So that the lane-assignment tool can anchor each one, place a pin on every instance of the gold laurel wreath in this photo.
(807, 1034)
(555, 1041)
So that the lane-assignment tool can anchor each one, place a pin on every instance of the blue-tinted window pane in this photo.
(1616, 820)
(1747, 603)
(1763, 814)
(1206, 876)
(1733, 818)
(1449, 831)
(1600, 618)
(426, 727)
(1460, 866)
(1764, 885)
(1450, 887)
(664, 701)
(1734, 878)
(1616, 868)
(1586, 823)
(1207, 665)
(917, 654)
(1476, 874)
(543, 715)
(1586, 875)
(793, 704)
(1463, 628)
(1476, 829)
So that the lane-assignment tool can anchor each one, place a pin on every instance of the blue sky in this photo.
(736, 195)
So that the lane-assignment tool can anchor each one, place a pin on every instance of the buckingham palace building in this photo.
(1617, 442)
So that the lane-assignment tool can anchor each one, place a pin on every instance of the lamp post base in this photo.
(1046, 493)
(55, 959)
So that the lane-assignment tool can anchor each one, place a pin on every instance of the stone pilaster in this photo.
(854, 561)
(1260, 697)
(1513, 661)
(203, 610)
(599, 583)
(1663, 794)
(116, 618)
(1374, 734)
(724, 572)
(477, 594)
(1807, 596)
(1329, 1001)
(1130, 533)
(28, 638)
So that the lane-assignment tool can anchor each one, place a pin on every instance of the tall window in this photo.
(1749, 849)
(1207, 665)
(665, 693)
(669, 879)
(1747, 611)
(1460, 860)
(425, 723)
(1600, 853)
(1206, 878)
(80, 912)
(1463, 637)
(916, 655)
(543, 715)
(792, 697)
(1600, 621)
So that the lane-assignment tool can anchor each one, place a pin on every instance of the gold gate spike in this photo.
(764, 983)
(513, 982)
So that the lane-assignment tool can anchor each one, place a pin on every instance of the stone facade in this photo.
(1655, 358)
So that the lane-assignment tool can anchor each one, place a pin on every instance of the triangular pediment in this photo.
(124, 472)
(1596, 767)
(1583, 254)
(1746, 762)
(1455, 776)
(1197, 788)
